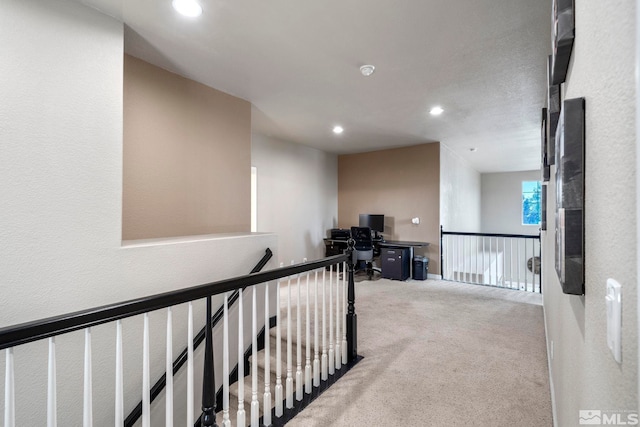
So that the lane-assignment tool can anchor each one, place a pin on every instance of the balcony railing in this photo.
(316, 291)
(503, 260)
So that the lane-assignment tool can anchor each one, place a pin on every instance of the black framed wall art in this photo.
(570, 137)
(562, 36)
(544, 161)
(553, 114)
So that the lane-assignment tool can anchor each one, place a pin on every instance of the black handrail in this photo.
(44, 328)
(464, 233)
(157, 388)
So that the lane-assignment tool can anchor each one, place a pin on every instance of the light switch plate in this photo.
(614, 318)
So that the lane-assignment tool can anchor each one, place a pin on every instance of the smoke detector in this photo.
(367, 70)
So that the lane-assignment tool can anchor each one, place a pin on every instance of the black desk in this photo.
(338, 246)
(399, 244)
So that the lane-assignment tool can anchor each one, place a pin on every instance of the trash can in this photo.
(420, 267)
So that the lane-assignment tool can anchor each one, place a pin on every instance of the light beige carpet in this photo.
(441, 353)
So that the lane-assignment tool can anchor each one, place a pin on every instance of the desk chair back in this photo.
(363, 243)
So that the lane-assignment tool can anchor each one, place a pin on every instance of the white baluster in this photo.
(307, 366)
(518, 261)
(324, 358)
(484, 267)
(316, 329)
(169, 372)
(241, 417)
(289, 381)
(190, 415)
(526, 285)
(464, 260)
(266, 418)
(226, 422)
(146, 399)
(332, 360)
(278, 389)
(497, 255)
(504, 260)
(255, 404)
(338, 336)
(344, 313)
(52, 418)
(119, 400)
(9, 391)
(299, 376)
(87, 411)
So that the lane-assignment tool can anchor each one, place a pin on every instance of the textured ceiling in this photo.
(298, 63)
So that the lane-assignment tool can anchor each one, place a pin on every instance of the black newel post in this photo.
(208, 383)
(352, 319)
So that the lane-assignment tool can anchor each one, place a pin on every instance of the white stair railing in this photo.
(279, 409)
(119, 393)
(332, 360)
(316, 331)
(255, 404)
(87, 401)
(241, 416)
(338, 337)
(52, 414)
(313, 364)
(226, 420)
(289, 381)
(267, 361)
(146, 398)
(169, 372)
(324, 359)
(9, 390)
(299, 376)
(307, 365)
(190, 379)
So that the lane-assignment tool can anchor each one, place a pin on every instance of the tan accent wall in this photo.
(187, 156)
(401, 183)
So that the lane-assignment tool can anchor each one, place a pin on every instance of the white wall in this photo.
(584, 373)
(297, 195)
(459, 193)
(502, 202)
(60, 222)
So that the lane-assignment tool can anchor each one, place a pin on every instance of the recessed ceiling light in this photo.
(436, 111)
(189, 8)
(338, 130)
(367, 70)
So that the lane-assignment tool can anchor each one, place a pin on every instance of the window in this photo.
(531, 202)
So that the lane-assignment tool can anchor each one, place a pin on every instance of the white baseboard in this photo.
(551, 387)
(434, 276)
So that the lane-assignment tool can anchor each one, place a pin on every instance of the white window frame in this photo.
(522, 204)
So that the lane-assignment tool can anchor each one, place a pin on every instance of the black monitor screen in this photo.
(374, 222)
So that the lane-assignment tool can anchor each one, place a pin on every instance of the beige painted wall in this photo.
(187, 154)
(400, 183)
(584, 372)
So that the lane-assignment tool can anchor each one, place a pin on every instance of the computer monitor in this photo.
(374, 222)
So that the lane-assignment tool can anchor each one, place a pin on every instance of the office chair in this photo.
(364, 249)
